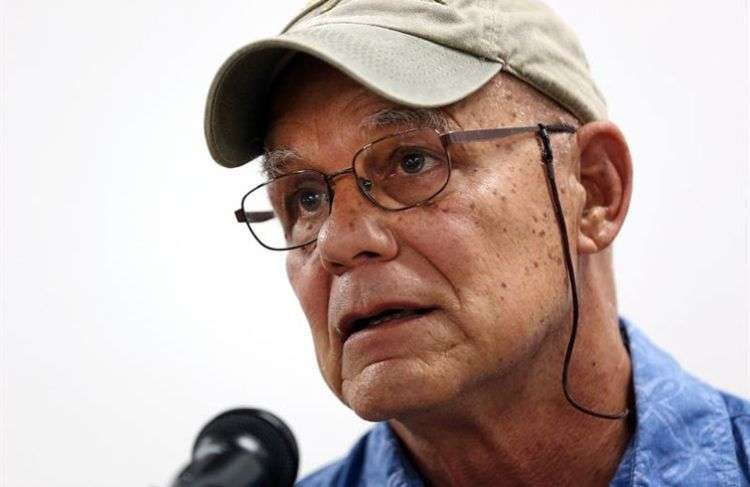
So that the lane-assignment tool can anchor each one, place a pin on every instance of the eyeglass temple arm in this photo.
(253, 216)
(489, 134)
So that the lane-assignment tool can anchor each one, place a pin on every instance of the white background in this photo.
(134, 308)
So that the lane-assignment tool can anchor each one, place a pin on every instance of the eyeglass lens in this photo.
(395, 172)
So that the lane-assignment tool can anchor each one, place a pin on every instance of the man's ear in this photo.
(607, 177)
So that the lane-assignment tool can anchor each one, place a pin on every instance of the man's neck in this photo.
(537, 437)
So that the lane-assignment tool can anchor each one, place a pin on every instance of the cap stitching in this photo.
(474, 54)
(303, 14)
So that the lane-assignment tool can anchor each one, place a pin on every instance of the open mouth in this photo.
(386, 316)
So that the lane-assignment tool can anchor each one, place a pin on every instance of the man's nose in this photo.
(356, 231)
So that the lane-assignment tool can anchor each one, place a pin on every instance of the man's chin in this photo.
(392, 389)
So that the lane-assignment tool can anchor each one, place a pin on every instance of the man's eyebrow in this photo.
(276, 161)
(408, 117)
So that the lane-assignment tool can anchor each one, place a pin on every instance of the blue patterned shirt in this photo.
(687, 433)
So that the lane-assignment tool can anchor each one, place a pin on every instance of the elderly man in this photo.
(447, 187)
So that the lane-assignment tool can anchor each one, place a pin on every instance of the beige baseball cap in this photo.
(417, 53)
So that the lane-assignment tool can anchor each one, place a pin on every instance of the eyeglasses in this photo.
(395, 172)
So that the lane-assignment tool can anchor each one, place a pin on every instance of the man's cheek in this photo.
(465, 234)
(311, 288)
(293, 266)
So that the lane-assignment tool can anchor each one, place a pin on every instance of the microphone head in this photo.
(258, 432)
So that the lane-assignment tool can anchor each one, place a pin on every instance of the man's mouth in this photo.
(385, 316)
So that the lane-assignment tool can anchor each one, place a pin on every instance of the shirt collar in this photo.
(389, 466)
(683, 432)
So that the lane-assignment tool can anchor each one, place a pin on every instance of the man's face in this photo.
(482, 261)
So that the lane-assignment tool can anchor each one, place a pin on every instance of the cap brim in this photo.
(408, 70)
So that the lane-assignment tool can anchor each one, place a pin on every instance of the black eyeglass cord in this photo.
(555, 197)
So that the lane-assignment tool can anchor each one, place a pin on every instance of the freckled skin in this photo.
(447, 246)
(485, 252)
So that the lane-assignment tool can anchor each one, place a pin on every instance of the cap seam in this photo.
(302, 14)
(411, 34)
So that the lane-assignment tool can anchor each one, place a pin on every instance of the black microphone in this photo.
(242, 448)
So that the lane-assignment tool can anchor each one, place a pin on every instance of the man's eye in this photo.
(309, 200)
(413, 162)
